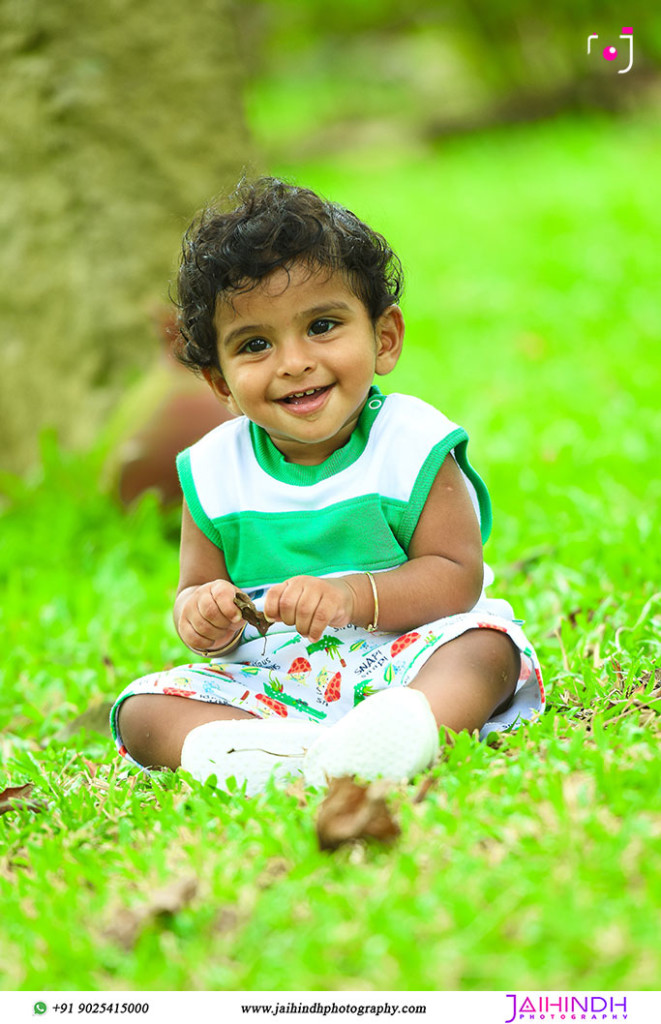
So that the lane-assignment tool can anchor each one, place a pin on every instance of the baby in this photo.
(352, 519)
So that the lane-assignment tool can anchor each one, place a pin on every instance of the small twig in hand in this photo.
(250, 614)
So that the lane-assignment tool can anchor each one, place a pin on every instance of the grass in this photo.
(531, 862)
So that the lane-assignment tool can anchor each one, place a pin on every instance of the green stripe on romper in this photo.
(200, 518)
(458, 440)
(278, 545)
(273, 462)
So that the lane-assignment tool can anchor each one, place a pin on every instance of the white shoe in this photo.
(251, 750)
(392, 734)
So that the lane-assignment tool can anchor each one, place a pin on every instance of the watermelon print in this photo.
(402, 643)
(538, 674)
(322, 682)
(300, 665)
(274, 705)
(333, 689)
(300, 669)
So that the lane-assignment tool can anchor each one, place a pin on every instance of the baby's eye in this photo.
(255, 345)
(322, 326)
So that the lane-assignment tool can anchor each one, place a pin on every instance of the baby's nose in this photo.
(296, 357)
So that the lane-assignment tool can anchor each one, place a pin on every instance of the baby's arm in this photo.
(443, 575)
(445, 570)
(205, 615)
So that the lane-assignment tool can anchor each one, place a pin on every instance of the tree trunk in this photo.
(118, 121)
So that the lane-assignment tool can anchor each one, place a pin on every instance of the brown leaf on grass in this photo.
(250, 614)
(354, 811)
(14, 797)
(619, 675)
(228, 919)
(275, 869)
(162, 904)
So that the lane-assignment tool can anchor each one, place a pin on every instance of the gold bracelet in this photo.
(375, 624)
(228, 647)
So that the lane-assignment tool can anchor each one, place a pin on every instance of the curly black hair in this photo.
(268, 224)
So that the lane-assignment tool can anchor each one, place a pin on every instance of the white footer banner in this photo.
(313, 1008)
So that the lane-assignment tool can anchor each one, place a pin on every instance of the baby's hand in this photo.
(209, 618)
(310, 604)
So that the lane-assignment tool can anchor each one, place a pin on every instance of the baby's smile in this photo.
(303, 402)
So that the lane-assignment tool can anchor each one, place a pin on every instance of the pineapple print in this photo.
(329, 645)
(362, 690)
(322, 680)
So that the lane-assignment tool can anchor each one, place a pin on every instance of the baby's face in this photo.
(298, 355)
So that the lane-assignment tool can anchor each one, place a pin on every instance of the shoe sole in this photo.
(392, 734)
(250, 751)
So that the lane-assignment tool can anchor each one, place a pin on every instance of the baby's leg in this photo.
(394, 733)
(469, 678)
(153, 727)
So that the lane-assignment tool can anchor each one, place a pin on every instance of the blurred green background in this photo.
(518, 180)
(119, 120)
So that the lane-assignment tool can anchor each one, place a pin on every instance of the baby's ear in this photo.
(218, 385)
(389, 331)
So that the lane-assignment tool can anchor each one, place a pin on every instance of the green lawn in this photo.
(532, 318)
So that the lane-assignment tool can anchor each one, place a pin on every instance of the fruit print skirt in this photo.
(284, 675)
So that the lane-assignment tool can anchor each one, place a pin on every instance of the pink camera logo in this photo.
(610, 52)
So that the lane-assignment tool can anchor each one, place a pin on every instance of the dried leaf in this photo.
(228, 919)
(619, 674)
(275, 869)
(162, 903)
(354, 811)
(18, 796)
(250, 613)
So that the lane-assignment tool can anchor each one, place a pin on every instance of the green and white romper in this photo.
(356, 511)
